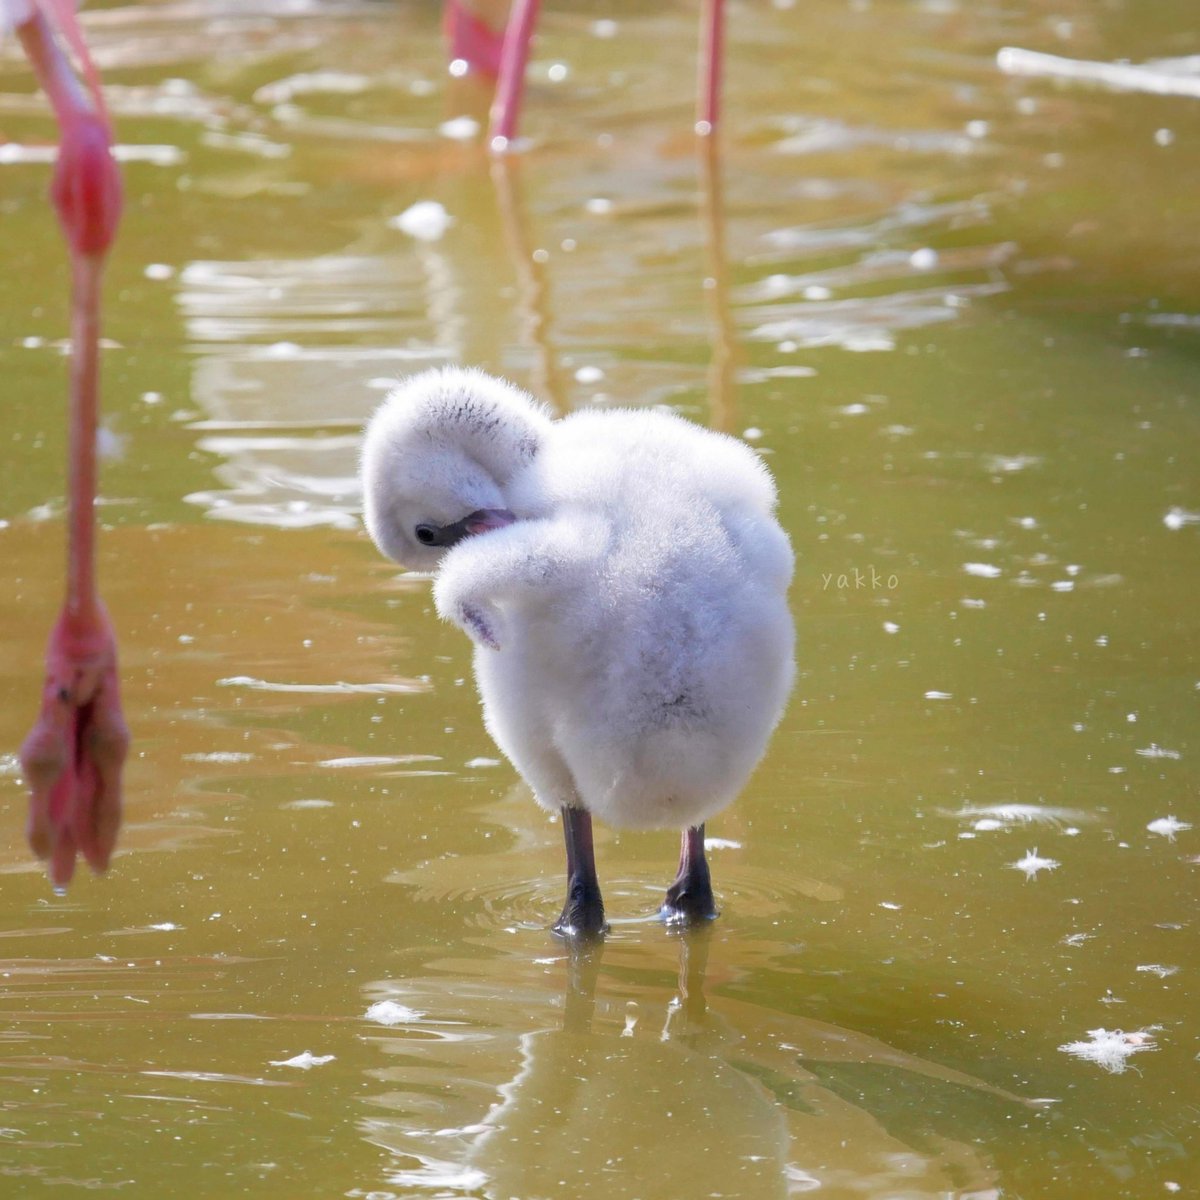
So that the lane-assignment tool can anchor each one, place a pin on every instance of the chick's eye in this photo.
(426, 535)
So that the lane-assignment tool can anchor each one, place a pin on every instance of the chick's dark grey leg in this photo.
(583, 913)
(690, 897)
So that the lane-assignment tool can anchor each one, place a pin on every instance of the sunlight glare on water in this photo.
(940, 272)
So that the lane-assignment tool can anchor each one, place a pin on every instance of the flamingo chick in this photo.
(624, 579)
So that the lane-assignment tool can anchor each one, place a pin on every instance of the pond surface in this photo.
(957, 309)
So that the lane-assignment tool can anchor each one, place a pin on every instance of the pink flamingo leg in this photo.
(712, 54)
(73, 756)
(510, 87)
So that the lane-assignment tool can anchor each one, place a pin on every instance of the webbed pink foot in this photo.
(74, 754)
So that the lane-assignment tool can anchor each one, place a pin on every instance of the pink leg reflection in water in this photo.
(74, 754)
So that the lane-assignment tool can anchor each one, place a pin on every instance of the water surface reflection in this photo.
(621, 1077)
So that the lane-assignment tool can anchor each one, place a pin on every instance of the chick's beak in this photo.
(479, 521)
(487, 518)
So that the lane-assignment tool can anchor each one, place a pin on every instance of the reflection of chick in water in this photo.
(600, 1108)
(689, 1102)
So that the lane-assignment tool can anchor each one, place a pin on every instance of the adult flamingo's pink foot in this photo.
(74, 754)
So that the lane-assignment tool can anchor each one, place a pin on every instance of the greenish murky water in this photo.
(957, 309)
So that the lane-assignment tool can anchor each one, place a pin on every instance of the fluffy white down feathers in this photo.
(633, 639)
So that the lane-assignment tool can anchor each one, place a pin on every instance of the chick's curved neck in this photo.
(495, 438)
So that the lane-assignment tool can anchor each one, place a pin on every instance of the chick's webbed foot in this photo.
(73, 756)
(689, 900)
(583, 914)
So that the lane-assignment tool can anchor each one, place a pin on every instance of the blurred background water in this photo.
(957, 309)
